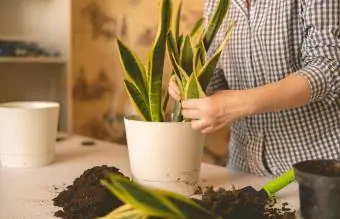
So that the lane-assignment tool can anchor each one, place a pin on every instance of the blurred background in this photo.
(65, 51)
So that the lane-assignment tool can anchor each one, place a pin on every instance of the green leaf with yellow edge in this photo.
(133, 68)
(188, 207)
(203, 53)
(186, 55)
(124, 212)
(138, 100)
(207, 70)
(165, 103)
(197, 64)
(198, 25)
(180, 42)
(193, 88)
(148, 67)
(143, 199)
(215, 22)
(177, 111)
(179, 71)
(157, 62)
(176, 22)
(172, 46)
(181, 85)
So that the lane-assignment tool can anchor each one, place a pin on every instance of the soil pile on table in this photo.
(233, 204)
(86, 198)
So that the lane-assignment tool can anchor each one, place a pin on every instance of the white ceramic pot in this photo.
(165, 155)
(27, 133)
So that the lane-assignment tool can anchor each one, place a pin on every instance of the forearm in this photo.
(290, 92)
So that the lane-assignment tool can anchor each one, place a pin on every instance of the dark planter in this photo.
(319, 187)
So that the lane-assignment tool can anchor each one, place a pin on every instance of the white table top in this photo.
(28, 193)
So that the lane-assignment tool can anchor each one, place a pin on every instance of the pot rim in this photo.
(135, 118)
(298, 169)
(28, 105)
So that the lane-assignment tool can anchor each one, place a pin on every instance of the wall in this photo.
(100, 100)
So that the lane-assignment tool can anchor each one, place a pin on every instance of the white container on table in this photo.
(165, 155)
(28, 133)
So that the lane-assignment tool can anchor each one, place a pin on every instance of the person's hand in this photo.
(211, 113)
(173, 89)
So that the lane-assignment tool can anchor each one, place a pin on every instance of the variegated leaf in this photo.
(203, 53)
(180, 42)
(172, 46)
(165, 103)
(176, 22)
(138, 100)
(188, 207)
(157, 62)
(143, 199)
(179, 71)
(208, 69)
(187, 55)
(133, 68)
(198, 25)
(193, 88)
(215, 22)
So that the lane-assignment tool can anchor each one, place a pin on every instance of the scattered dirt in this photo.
(59, 139)
(88, 143)
(198, 190)
(86, 198)
(232, 204)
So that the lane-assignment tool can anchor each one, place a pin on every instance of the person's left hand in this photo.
(211, 113)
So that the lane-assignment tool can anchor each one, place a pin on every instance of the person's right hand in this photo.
(173, 89)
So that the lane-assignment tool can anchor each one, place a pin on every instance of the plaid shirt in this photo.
(274, 39)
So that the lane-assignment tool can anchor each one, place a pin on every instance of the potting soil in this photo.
(86, 198)
(233, 204)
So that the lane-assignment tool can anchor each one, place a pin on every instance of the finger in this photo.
(199, 124)
(191, 114)
(174, 87)
(173, 84)
(174, 95)
(174, 91)
(208, 130)
(191, 104)
(213, 128)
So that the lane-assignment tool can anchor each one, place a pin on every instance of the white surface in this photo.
(28, 133)
(154, 147)
(27, 193)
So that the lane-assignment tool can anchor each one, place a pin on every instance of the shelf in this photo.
(56, 60)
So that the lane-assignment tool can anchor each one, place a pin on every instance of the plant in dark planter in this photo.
(167, 154)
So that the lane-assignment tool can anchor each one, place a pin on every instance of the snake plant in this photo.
(146, 203)
(192, 67)
(188, 55)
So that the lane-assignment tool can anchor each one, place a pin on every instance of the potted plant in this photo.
(164, 153)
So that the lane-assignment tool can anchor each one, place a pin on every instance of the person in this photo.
(277, 84)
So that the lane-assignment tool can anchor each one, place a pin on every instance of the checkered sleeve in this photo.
(217, 81)
(321, 47)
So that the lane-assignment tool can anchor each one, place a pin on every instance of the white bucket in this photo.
(165, 155)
